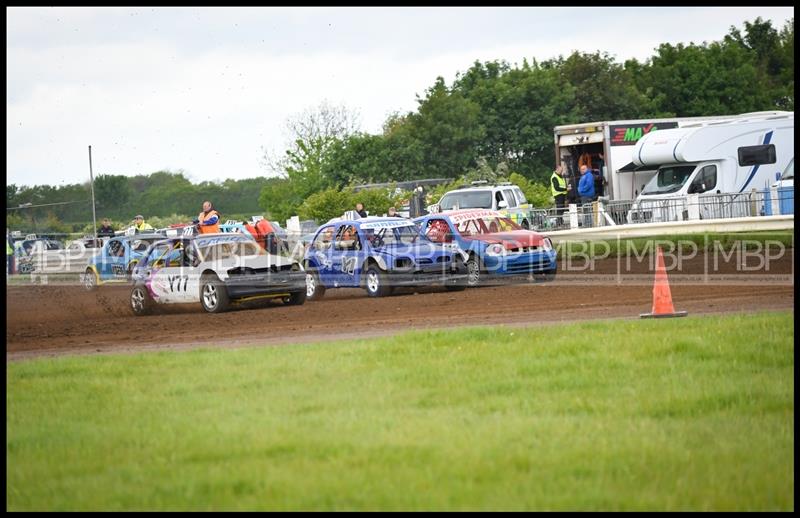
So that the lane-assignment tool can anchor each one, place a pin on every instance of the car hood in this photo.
(510, 240)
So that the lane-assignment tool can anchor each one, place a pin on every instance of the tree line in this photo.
(494, 116)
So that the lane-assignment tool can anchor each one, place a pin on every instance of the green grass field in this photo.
(686, 414)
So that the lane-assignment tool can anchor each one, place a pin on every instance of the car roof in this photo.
(467, 213)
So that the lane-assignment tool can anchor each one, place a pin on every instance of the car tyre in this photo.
(474, 272)
(89, 280)
(141, 302)
(314, 288)
(297, 298)
(213, 294)
(375, 282)
(548, 276)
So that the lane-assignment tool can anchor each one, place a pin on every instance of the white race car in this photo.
(216, 270)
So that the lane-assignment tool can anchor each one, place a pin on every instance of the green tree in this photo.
(112, 193)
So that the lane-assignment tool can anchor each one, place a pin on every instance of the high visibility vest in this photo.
(264, 227)
(9, 250)
(209, 229)
(562, 183)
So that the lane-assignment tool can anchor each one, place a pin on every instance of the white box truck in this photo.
(729, 157)
(615, 140)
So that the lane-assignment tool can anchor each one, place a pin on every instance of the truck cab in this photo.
(506, 198)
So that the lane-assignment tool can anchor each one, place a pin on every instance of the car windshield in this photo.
(485, 225)
(382, 237)
(466, 200)
(668, 179)
(140, 245)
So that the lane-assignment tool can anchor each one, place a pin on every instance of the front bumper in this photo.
(521, 264)
(273, 283)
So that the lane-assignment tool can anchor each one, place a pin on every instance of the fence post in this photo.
(693, 206)
(775, 199)
(573, 215)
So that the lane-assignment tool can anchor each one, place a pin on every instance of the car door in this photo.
(168, 281)
(112, 263)
(345, 255)
(319, 255)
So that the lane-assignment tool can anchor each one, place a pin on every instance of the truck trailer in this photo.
(608, 147)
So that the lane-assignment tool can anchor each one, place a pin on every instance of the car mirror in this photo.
(502, 204)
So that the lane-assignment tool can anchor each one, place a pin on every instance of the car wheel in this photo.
(213, 294)
(297, 298)
(548, 276)
(89, 280)
(473, 271)
(141, 303)
(375, 282)
(314, 288)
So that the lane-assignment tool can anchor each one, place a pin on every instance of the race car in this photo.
(216, 270)
(496, 245)
(116, 259)
(378, 254)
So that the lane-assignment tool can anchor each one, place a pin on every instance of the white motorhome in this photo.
(608, 146)
(730, 157)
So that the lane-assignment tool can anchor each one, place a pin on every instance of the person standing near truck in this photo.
(586, 185)
(558, 188)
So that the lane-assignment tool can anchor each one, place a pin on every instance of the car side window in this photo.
(324, 239)
(520, 196)
(156, 257)
(512, 202)
(438, 231)
(347, 238)
(498, 197)
(705, 181)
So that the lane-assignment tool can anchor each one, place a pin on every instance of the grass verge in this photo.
(687, 414)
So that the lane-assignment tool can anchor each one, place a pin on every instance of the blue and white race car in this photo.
(497, 247)
(215, 270)
(116, 259)
(378, 254)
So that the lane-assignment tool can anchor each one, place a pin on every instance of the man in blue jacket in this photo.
(586, 185)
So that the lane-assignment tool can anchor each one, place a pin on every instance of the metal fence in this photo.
(693, 207)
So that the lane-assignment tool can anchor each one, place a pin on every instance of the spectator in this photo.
(360, 210)
(393, 213)
(208, 221)
(599, 181)
(586, 185)
(558, 187)
(140, 225)
(106, 230)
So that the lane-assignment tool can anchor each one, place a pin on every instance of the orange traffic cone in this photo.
(662, 297)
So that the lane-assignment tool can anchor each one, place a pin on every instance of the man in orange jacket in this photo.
(208, 220)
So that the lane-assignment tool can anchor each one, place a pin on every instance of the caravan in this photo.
(729, 158)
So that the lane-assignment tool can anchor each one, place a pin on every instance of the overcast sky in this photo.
(206, 90)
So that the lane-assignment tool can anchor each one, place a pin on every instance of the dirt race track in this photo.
(49, 320)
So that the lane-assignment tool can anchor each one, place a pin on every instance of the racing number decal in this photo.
(349, 265)
(118, 270)
(175, 282)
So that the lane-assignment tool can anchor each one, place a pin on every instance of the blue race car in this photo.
(115, 261)
(497, 247)
(378, 254)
